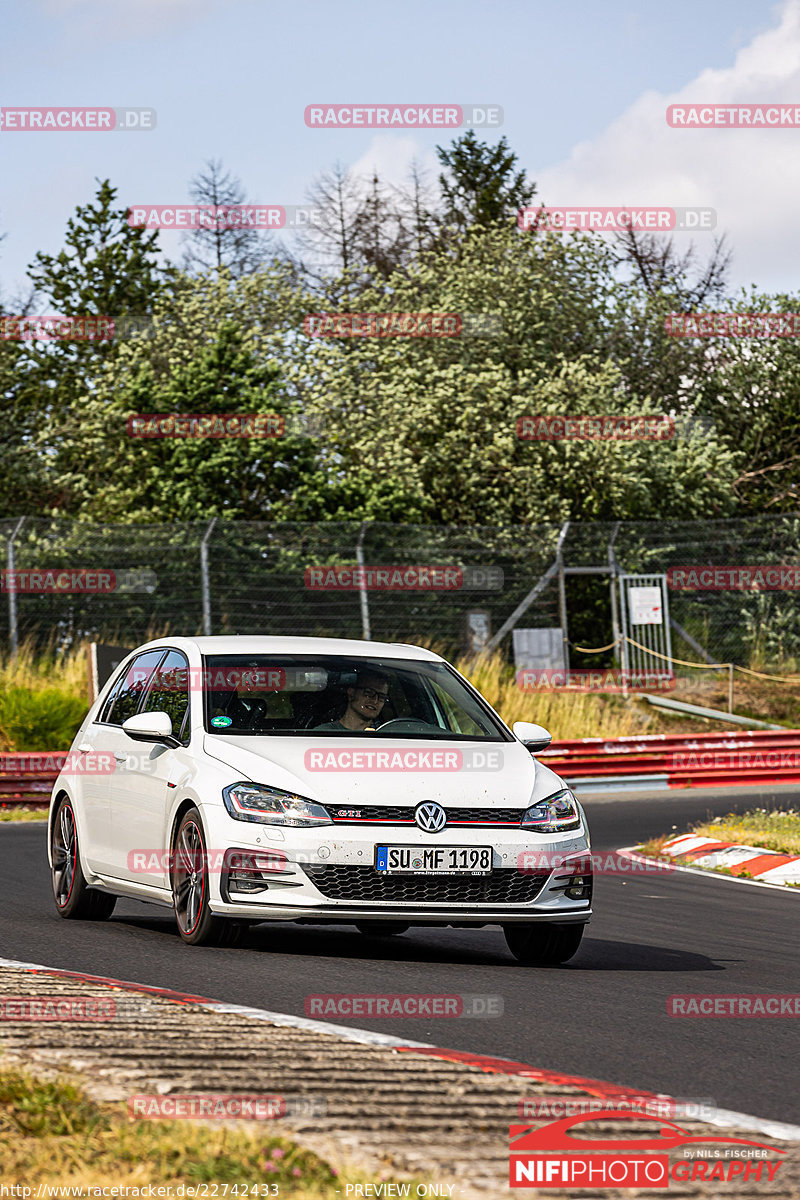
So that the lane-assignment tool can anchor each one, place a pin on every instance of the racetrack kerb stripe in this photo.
(487, 1063)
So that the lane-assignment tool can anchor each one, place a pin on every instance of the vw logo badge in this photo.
(431, 817)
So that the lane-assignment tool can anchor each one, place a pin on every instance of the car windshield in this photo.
(329, 696)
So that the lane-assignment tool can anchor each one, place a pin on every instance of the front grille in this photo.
(338, 881)
(392, 814)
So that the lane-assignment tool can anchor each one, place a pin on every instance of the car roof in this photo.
(246, 644)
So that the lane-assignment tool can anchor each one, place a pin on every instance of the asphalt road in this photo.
(602, 1015)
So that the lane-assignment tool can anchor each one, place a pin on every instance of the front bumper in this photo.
(328, 874)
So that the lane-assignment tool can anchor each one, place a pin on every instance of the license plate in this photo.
(433, 860)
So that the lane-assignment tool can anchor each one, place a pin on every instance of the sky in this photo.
(583, 86)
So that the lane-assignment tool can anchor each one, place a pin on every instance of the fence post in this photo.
(562, 593)
(362, 584)
(11, 583)
(613, 571)
(205, 590)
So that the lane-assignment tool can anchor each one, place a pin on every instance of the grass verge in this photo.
(52, 1133)
(774, 829)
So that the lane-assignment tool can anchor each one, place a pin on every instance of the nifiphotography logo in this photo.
(553, 1156)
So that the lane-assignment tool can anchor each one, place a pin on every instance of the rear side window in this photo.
(125, 698)
(169, 690)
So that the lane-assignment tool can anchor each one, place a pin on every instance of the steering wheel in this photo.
(407, 725)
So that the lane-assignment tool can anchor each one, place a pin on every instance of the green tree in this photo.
(201, 354)
(480, 184)
(437, 417)
(108, 269)
(750, 391)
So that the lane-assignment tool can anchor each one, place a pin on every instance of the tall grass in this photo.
(45, 669)
(43, 698)
(578, 714)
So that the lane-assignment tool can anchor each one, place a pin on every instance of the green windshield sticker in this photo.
(221, 722)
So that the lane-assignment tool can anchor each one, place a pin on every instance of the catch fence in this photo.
(454, 586)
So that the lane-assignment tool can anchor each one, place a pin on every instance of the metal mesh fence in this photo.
(258, 578)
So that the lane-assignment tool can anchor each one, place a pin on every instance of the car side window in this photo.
(125, 702)
(169, 690)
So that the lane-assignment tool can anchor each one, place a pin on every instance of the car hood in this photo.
(283, 763)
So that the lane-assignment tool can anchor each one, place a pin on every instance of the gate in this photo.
(644, 612)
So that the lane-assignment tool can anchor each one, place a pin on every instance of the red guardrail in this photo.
(27, 779)
(649, 742)
(681, 760)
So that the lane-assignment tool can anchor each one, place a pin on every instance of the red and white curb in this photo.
(721, 1117)
(766, 866)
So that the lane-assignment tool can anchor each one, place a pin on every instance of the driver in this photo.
(365, 704)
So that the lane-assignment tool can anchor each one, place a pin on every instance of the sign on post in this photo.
(646, 606)
(539, 648)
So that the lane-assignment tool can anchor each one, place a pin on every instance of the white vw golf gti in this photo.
(247, 779)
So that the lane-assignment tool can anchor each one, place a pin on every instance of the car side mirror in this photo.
(151, 727)
(533, 737)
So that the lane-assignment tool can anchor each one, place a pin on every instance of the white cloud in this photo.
(391, 157)
(750, 176)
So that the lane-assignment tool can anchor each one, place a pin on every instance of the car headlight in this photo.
(272, 806)
(557, 812)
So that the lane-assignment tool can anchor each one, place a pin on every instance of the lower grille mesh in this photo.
(365, 884)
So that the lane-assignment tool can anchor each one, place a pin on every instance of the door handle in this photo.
(121, 755)
(85, 748)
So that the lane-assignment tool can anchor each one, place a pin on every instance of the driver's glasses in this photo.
(371, 694)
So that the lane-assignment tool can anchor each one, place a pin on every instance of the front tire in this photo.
(75, 900)
(197, 925)
(543, 945)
